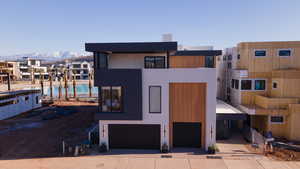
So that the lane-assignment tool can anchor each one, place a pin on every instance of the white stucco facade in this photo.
(163, 77)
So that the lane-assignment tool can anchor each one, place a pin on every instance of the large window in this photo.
(246, 84)
(209, 61)
(111, 99)
(260, 53)
(154, 62)
(260, 84)
(155, 99)
(284, 52)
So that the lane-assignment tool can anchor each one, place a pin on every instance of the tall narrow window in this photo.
(155, 99)
(111, 99)
(106, 99)
(102, 61)
(236, 84)
(209, 61)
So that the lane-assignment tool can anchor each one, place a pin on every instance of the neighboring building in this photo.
(32, 67)
(80, 70)
(262, 79)
(9, 67)
(152, 95)
(17, 102)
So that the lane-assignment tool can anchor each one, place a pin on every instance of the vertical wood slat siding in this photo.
(187, 61)
(187, 104)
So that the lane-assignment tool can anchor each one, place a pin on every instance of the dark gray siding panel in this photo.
(131, 82)
(131, 47)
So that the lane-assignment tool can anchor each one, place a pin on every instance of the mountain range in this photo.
(53, 56)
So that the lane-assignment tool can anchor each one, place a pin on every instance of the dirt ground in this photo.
(32, 135)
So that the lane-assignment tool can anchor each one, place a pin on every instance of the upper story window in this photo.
(246, 84)
(260, 84)
(210, 61)
(284, 52)
(274, 85)
(111, 99)
(100, 60)
(260, 53)
(238, 56)
(154, 62)
(229, 57)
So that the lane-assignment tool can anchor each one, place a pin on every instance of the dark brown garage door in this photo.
(187, 134)
(133, 136)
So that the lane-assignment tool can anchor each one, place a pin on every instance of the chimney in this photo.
(168, 37)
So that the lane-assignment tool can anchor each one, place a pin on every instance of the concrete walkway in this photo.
(107, 162)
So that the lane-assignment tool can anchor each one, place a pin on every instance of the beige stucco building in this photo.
(263, 80)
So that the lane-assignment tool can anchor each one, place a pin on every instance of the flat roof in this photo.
(225, 111)
(131, 47)
(198, 53)
(225, 108)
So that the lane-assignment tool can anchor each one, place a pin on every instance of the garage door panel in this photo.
(187, 134)
(134, 136)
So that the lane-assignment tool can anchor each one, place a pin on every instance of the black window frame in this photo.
(155, 59)
(236, 84)
(274, 119)
(210, 61)
(150, 99)
(97, 60)
(260, 50)
(242, 84)
(284, 50)
(101, 100)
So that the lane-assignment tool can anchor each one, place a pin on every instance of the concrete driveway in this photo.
(142, 162)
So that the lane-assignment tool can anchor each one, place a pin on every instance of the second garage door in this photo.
(134, 136)
(187, 134)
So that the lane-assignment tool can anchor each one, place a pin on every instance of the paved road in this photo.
(111, 162)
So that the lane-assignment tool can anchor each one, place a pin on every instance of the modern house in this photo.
(12, 68)
(80, 70)
(262, 79)
(31, 69)
(152, 95)
(17, 102)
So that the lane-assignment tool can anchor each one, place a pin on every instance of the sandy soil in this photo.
(27, 136)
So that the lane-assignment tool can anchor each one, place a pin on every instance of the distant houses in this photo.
(31, 69)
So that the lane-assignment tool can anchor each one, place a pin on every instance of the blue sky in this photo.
(54, 25)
